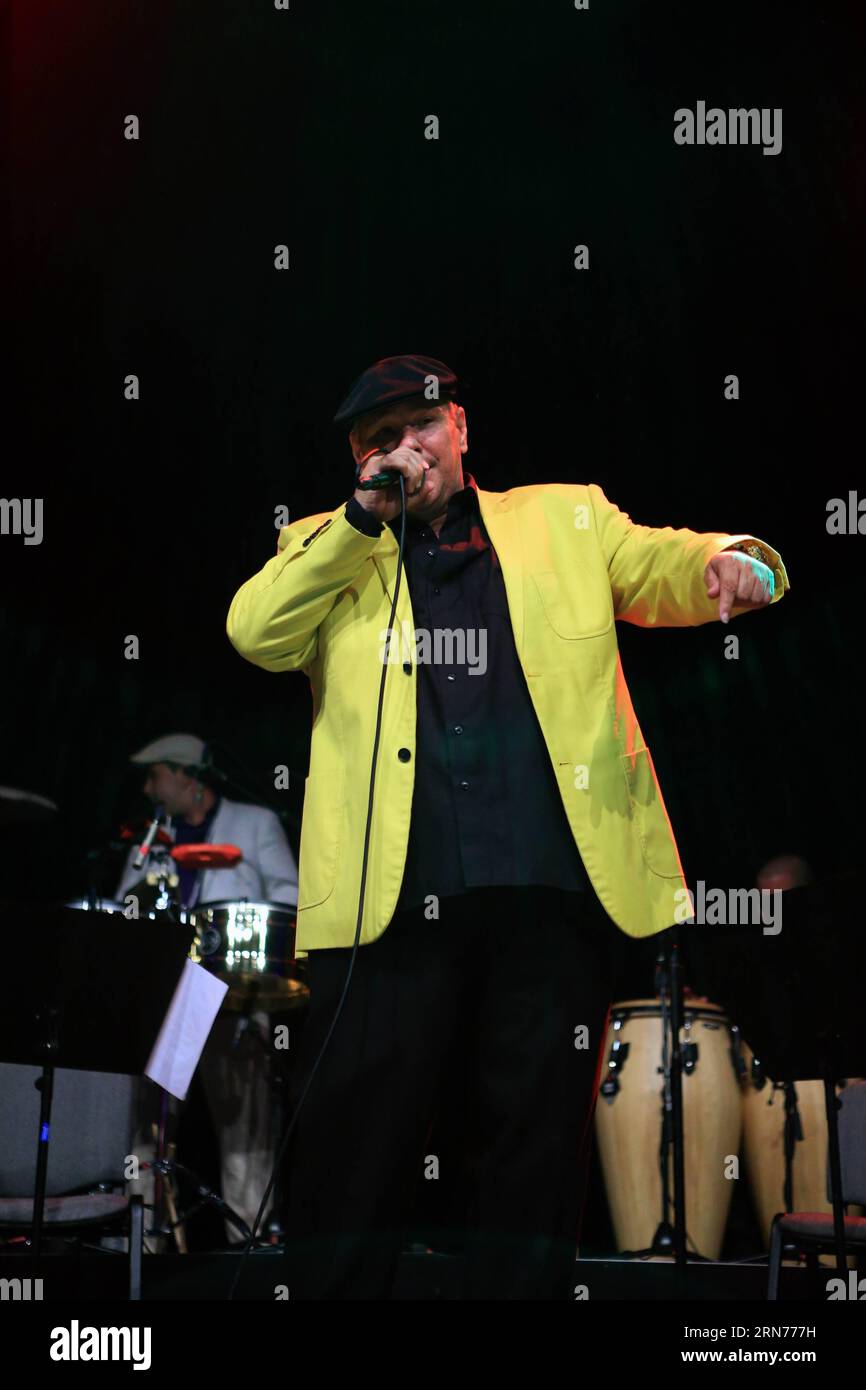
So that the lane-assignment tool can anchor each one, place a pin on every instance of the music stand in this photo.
(89, 995)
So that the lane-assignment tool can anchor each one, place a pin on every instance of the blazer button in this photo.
(404, 755)
(407, 667)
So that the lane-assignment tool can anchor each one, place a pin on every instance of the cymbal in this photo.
(24, 808)
(273, 993)
(206, 856)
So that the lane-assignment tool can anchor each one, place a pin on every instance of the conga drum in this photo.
(629, 1119)
(764, 1146)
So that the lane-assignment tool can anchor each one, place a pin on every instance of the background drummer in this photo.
(177, 776)
(234, 1069)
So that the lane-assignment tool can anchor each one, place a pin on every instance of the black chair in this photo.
(93, 1122)
(811, 1232)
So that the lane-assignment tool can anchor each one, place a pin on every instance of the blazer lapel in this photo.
(497, 513)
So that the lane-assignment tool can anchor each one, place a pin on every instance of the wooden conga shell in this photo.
(764, 1148)
(629, 1126)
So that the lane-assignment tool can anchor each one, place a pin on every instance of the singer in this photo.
(518, 829)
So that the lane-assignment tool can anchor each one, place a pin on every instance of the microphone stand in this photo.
(669, 983)
(667, 1238)
(674, 1061)
(793, 1134)
(676, 981)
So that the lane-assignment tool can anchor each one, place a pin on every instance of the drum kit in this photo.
(248, 945)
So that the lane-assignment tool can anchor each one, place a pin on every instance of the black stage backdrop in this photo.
(304, 126)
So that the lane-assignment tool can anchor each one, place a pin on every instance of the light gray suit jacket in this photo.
(267, 872)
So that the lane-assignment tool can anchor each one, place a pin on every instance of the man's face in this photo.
(167, 785)
(436, 430)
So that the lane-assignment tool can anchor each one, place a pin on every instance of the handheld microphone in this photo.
(144, 847)
(379, 480)
(376, 480)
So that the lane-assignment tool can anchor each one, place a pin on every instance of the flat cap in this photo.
(396, 379)
(186, 749)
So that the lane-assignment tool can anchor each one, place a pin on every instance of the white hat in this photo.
(185, 749)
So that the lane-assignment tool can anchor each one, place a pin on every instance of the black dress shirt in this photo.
(486, 809)
(186, 834)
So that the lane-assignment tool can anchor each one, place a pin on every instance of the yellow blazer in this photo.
(573, 564)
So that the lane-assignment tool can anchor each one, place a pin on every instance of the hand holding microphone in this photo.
(384, 501)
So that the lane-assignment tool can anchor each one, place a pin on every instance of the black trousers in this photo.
(514, 974)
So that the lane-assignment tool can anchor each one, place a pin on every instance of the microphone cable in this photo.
(285, 1140)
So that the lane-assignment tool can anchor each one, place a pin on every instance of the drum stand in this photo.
(206, 1196)
(279, 1076)
(669, 986)
(793, 1135)
(273, 1233)
(163, 1197)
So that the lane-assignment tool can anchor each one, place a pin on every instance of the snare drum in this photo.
(252, 947)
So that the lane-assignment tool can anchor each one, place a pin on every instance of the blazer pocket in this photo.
(321, 825)
(576, 604)
(649, 815)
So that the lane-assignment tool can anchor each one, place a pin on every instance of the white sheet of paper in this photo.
(185, 1029)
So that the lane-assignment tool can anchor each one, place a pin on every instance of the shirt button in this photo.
(458, 728)
(407, 667)
(404, 755)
